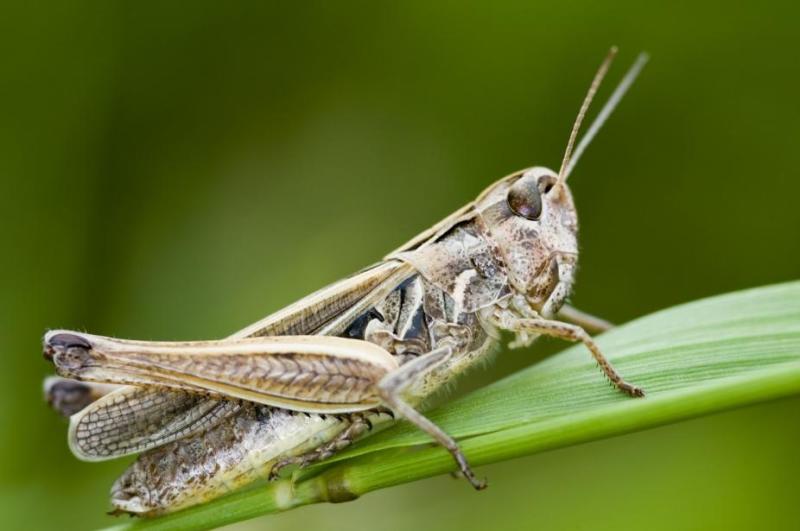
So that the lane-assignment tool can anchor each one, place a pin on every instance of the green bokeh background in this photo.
(177, 170)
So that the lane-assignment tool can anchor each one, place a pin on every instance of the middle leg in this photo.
(391, 388)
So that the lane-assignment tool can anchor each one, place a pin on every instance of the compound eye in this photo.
(525, 199)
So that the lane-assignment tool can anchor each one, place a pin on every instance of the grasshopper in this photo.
(303, 383)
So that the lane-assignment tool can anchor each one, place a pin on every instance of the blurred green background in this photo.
(177, 170)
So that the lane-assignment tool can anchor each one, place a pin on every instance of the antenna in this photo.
(598, 78)
(607, 109)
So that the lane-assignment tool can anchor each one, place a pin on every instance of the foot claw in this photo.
(631, 390)
(479, 484)
(275, 473)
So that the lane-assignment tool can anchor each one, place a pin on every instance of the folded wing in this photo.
(134, 419)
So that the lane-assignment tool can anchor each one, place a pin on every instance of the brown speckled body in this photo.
(211, 416)
(464, 271)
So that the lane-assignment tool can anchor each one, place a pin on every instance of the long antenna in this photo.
(598, 78)
(607, 109)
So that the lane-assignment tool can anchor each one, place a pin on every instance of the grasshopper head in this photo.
(531, 219)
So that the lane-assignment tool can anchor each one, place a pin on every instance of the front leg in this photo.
(571, 332)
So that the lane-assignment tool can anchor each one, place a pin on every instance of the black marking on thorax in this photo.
(410, 320)
(358, 327)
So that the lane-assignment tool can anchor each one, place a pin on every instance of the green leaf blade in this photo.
(694, 359)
